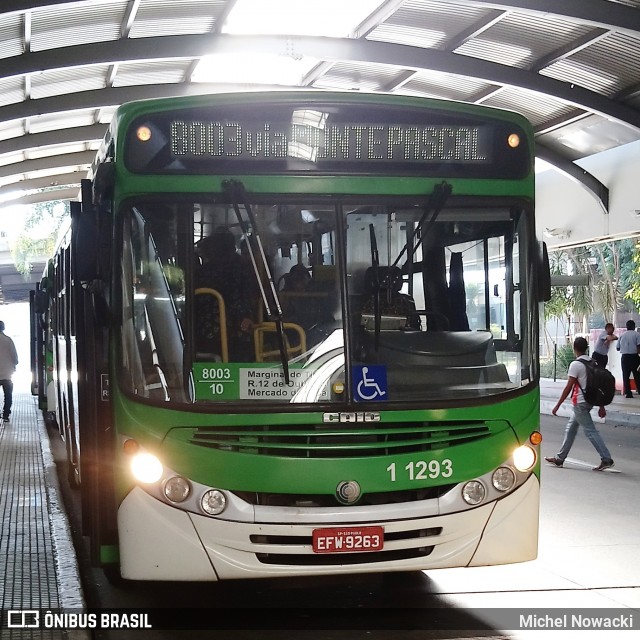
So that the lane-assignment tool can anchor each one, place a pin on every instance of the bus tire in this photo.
(113, 575)
(73, 477)
(50, 420)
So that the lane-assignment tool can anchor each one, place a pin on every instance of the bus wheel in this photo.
(113, 575)
(50, 420)
(73, 476)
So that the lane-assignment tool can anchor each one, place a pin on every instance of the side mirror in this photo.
(103, 182)
(90, 249)
(40, 301)
(84, 241)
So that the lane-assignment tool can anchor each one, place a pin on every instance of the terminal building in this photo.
(570, 69)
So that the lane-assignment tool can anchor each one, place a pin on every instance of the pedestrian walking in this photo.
(600, 353)
(8, 362)
(629, 346)
(577, 381)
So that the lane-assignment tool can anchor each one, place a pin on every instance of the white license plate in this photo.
(352, 539)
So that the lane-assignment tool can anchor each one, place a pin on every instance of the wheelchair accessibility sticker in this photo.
(370, 383)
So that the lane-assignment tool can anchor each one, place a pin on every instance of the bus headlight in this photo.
(524, 458)
(503, 479)
(146, 468)
(473, 492)
(213, 502)
(177, 489)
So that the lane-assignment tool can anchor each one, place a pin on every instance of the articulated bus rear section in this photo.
(67, 330)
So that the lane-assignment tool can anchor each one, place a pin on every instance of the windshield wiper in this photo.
(375, 266)
(235, 192)
(437, 200)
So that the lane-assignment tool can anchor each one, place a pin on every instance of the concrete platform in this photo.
(38, 568)
(623, 412)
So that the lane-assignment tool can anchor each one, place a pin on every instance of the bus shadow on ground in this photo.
(389, 602)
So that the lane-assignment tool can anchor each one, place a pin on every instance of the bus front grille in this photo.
(343, 440)
(405, 538)
(343, 559)
(315, 501)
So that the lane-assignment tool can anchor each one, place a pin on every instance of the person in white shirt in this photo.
(600, 353)
(577, 381)
(629, 347)
(8, 362)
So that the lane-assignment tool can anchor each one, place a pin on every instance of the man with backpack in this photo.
(577, 387)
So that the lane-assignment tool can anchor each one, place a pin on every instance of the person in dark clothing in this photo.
(629, 346)
(295, 306)
(457, 295)
(297, 280)
(224, 271)
(385, 292)
(8, 363)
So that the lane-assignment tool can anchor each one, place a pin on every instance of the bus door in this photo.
(94, 406)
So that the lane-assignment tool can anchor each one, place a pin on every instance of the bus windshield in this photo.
(324, 301)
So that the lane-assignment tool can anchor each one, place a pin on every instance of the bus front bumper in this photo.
(159, 542)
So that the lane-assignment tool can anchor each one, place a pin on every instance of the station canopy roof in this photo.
(570, 66)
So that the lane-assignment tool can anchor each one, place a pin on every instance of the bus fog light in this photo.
(213, 502)
(524, 458)
(177, 489)
(146, 468)
(503, 478)
(473, 492)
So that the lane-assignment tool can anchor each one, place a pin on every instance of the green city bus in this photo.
(295, 333)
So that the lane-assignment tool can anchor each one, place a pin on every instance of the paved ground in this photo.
(622, 411)
(37, 560)
(38, 567)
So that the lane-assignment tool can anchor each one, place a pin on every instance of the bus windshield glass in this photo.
(245, 302)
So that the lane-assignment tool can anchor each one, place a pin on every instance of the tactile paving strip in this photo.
(27, 556)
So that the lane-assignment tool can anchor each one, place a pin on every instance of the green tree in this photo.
(616, 269)
(559, 305)
(609, 268)
(633, 283)
(39, 235)
(582, 298)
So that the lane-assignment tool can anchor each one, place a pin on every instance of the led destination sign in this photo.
(366, 142)
(369, 139)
